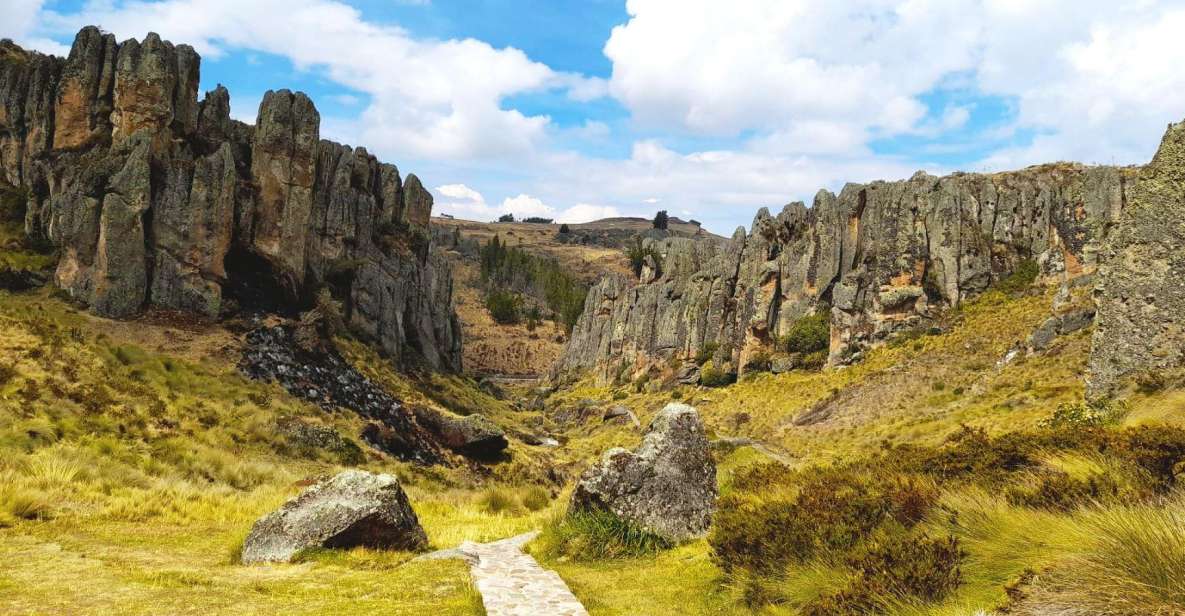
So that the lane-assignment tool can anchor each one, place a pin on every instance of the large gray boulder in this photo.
(667, 486)
(354, 508)
(471, 435)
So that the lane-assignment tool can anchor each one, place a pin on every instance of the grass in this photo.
(596, 536)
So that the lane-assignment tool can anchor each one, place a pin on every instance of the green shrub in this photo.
(597, 535)
(813, 361)
(536, 498)
(497, 501)
(810, 334)
(711, 375)
(1021, 278)
(900, 567)
(504, 307)
(706, 352)
(760, 361)
(1158, 450)
(637, 253)
(776, 517)
(1059, 491)
(1092, 414)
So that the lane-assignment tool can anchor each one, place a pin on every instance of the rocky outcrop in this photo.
(352, 509)
(156, 199)
(324, 378)
(1141, 290)
(881, 256)
(666, 487)
(471, 435)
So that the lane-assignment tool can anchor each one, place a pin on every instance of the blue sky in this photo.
(710, 110)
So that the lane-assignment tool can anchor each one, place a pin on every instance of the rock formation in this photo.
(1141, 289)
(882, 256)
(666, 487)
(352, 509)
(156, 199)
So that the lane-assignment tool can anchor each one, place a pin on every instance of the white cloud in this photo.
(526, 206)
(791, 93)
(587, 212)
(429, 98)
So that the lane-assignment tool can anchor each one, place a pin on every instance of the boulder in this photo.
(667, 486)
(352, 509)
(621, 413)
(472, 435)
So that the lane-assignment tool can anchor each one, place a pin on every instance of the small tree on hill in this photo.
(564, 228)
(660, 220)
(506, 218)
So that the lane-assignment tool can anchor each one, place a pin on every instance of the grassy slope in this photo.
(137, 462)
(913, 391)
(134, 459)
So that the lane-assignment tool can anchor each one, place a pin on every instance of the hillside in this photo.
(588, 252)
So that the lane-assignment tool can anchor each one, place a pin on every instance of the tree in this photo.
(564, 228)
(660, 220)
(506, 218)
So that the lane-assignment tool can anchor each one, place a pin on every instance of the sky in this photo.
(583, 109)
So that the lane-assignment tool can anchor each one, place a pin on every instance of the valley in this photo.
(244, 369)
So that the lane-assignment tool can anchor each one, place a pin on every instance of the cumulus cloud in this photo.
(428, 98)
(792, 95)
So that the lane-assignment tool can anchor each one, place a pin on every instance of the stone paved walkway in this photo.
(512, 583)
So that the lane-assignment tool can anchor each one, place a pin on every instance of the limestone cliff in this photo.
(882, 256)
(156, 199)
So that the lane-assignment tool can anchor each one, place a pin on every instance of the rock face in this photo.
(1141, 290)
(156, 199)
(883, 256)
(353, 509)
(667, 486)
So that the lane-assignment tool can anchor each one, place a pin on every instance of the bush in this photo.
(813, 361)
(536, 498)
(497, 501)
(1021, 278)
(506, 218)
(711, 375)
(1059, 491)
(898, 568)
(810, 334)
(706, 352)
(538, 220)
(637, 254)
(759, 362)
(661, 220)
(564, 228)
(775, 517)
(1093, 414)
(504, 307)
(597, 535)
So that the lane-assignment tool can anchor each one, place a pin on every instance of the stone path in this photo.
(512, 583)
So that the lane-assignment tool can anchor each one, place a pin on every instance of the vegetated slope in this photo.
(1057, 488)
(134, 459)
(586, 252)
